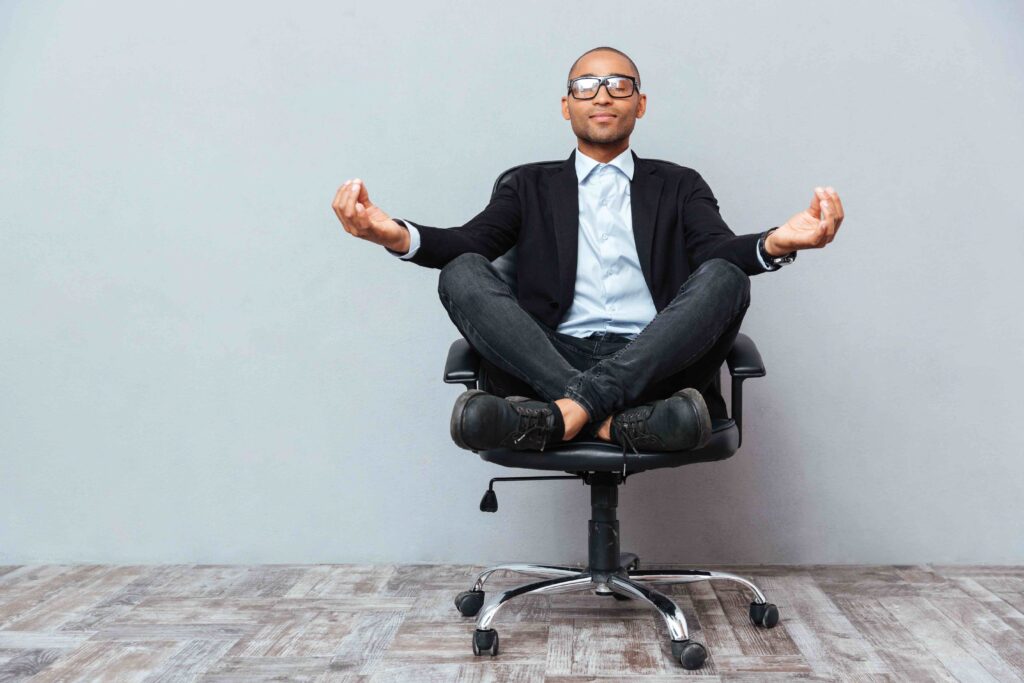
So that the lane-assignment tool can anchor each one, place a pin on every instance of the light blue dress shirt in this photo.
(611, 294)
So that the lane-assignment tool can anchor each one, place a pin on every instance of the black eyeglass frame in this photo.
(604, 81)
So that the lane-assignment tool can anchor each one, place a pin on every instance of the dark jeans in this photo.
(683, 346)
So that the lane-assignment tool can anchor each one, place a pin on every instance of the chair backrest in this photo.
(506, 263)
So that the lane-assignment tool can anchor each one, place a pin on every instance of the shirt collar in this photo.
(584, 164)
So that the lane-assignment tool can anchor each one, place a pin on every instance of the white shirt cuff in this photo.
(761, 260)
(414, 242)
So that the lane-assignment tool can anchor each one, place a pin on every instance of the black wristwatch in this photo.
(774, 262)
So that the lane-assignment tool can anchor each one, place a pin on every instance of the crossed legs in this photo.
(684, 345)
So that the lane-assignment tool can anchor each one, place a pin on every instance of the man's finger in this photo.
(337, 195)
(828, 213)
(350, 198)
(337, 203)
(840, 213)
(815, 207)
(829, 218)
(355, 190)
(364, 197)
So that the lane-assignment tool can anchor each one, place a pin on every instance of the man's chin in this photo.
(603, 138)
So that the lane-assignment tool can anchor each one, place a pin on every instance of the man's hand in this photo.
(812, 228)
(364, 219)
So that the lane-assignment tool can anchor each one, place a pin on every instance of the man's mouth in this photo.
(603, 117)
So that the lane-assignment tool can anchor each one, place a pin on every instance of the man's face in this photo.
(604, 119)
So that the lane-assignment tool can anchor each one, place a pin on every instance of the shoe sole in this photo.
(455, 426)
(700, 411)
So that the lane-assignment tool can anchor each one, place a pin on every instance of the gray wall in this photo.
(199, 365)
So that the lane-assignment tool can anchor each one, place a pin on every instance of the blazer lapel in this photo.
(645, 195)
(566, 214)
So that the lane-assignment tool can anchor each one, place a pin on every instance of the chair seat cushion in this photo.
(601, 456)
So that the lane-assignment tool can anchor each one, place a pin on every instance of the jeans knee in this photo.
(731, 275)
(458, 272)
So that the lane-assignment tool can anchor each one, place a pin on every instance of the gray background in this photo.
(199, 365)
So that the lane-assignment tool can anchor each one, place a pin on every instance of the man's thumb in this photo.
(363, 198)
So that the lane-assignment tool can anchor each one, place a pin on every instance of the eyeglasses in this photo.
(586, 87)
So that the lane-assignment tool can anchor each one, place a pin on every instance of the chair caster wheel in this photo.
(690, 653)
(766, 615)
(469, 602)
(485, 641)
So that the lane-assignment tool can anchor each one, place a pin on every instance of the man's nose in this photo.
(607, 95)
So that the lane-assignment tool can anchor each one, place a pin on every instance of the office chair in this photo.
(602, 466)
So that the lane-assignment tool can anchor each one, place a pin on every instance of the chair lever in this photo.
(489, 503)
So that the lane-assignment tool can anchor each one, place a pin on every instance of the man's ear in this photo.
(565, 108)
(641, 107)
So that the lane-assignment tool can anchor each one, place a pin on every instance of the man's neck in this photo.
(603, 153)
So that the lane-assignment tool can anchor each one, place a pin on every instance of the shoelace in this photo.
(530, 420)
(625, 457)
(631, 427)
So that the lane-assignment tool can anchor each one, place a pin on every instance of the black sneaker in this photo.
(481, 421)
(680, 422)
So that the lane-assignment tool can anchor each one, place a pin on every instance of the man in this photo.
(631, 287)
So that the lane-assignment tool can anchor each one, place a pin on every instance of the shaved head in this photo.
(605, 48)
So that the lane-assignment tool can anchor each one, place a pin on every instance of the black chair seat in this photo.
(601, 456)
(744, 361)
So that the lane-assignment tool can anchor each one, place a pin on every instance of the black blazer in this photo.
(535, 207)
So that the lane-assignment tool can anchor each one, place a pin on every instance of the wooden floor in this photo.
(398, 623)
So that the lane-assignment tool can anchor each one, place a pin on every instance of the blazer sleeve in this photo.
(707, 235)
(491, 232)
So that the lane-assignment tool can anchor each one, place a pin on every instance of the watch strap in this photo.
(774, 262)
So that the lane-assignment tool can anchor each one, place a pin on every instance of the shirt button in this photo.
(604, 235)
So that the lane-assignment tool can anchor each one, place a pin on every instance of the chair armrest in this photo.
(744, 359)
(463, 364)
